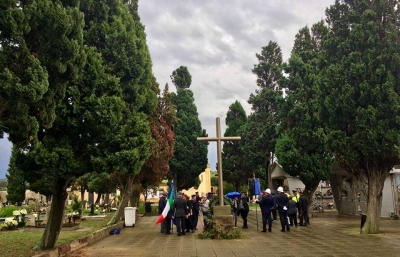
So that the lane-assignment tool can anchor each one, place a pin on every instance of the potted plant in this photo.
(9, 225)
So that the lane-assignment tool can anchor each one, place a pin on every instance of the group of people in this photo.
(286, 205)
(185, 211)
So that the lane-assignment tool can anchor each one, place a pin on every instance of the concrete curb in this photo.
(81, 242)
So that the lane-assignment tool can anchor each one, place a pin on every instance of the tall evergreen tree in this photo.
(190, 156)
(234, 163)
(102, 121)
(360, 101)
(181, 77)
(301, 148)
(259, 134)
(40, 51)
(16, 186)
(162, 147)
(114, 28)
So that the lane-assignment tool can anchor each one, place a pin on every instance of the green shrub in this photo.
(8, 211)
(76, 205)
(213, 232)
(140, 207)
(31, 208)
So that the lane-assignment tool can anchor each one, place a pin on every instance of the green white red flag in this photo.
(169, 206)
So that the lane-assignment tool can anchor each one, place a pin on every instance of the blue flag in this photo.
(257, 187)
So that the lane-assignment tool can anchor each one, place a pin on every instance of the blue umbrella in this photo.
(231, 195)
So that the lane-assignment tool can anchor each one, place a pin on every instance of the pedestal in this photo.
(222, 219)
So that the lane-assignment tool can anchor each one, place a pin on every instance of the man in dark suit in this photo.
(161, 205)
(303, 210)
(266, 203)
(180, 213)
(196, 210)
(282, 201)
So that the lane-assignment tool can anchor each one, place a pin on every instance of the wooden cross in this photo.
(218, 139)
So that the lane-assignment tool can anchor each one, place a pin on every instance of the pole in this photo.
(220, 178)
(256, 216)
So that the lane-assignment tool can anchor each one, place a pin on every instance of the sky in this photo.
(217, 40)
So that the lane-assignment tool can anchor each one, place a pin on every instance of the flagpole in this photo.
(172, 223)
(254, 189)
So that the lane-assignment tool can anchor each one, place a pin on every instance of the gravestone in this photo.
(32, 220)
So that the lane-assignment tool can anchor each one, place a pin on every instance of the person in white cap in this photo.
(266, 203)
(283, 205)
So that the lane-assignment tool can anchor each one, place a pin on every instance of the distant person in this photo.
(168, 221)
(204, 205)
(292, 212)
(235, 210)
(267, 202)
(180, 213)
(303, 210)
(188, 221)
(161, 205)
(196, 210)
(282, 201)
(245, 211)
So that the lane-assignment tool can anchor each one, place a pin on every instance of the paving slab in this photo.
(329, 235)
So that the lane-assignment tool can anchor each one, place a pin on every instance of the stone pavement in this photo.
(328, 235)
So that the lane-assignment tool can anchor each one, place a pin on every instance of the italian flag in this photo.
(168, 206)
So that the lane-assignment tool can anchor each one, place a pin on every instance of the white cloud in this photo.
(217, 40)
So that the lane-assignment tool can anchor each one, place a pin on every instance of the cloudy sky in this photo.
(217, 41)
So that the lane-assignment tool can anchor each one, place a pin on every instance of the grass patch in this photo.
(253, 206)
(20, 243)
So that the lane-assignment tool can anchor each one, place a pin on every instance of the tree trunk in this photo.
(107, 198)
(54, 223)
(98, 199)
(376, 181)
(83, 197)
(132, 199)
(135, 196)
(82, 193)
(309, 191)
(124, 201)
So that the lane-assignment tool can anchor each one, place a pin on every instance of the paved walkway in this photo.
(328, 235)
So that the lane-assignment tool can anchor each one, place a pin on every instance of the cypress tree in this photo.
(190, 156)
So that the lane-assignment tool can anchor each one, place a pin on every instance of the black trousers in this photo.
(168, 225)
(195, 219)
(293, 219)
(304, 218)
(189, 224)
(266, 218)
(244, 217)
(284, 221)
(274, 214)
(180, 225)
